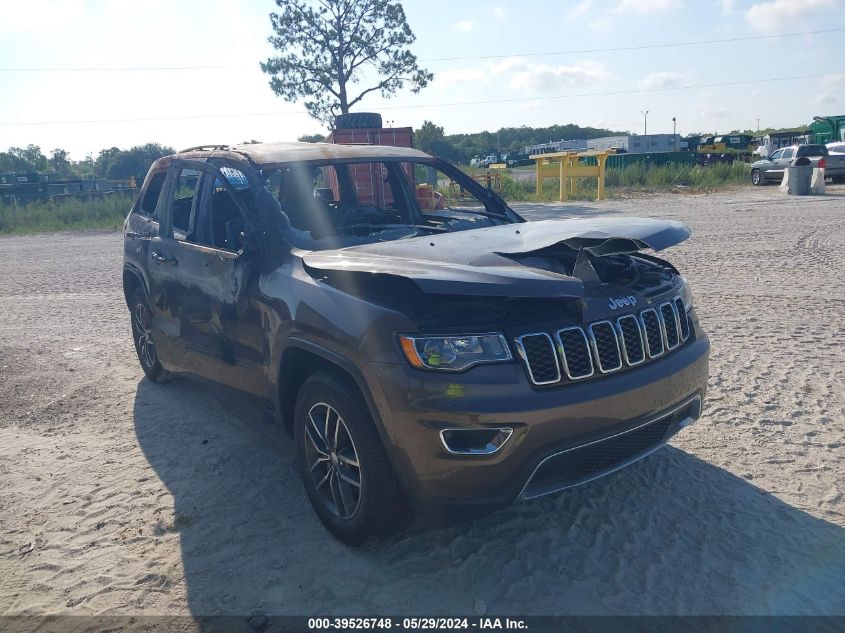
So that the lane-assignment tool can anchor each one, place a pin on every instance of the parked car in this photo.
(488, 160)
(771, 169)
(836, 148)
(443, 363)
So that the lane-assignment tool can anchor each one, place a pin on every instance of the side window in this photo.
(787, 153)
(184, 193)
(310, 197)
(778, 154)
(152, 194)
(220, 222)
(437, 192)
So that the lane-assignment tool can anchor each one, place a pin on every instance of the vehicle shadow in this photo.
(672, 534)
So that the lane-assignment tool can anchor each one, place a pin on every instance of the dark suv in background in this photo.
(430, 351)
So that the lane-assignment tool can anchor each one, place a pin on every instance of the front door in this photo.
(782, 162)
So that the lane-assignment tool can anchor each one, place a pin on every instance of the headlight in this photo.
(454, 353)
(686, 294)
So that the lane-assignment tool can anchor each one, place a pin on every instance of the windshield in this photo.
(334, 204)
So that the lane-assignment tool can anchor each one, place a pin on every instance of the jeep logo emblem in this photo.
(621, 302)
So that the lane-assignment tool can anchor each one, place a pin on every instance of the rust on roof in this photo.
(286, 152)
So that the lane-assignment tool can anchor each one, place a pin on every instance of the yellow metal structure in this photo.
(569, 167)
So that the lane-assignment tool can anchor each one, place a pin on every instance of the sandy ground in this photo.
(118, 496)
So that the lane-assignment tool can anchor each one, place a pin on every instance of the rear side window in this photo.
(184, 193)
(811, 150)
(151, 196)
(787, 153)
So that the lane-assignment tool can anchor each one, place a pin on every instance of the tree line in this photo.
(112, 163)
(460, 148)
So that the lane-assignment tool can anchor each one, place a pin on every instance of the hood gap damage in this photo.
(552, 258)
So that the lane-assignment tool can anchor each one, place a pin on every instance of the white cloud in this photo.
(831, 89)
(709, 112)
(40, 15)
(775, 15)
(455, 76)
(600, 14)
(727, 6)
(498, 12)
(525, 75)
(658, 80)
(124, 9)
(646, 6)
(581, 9)
(465, 25)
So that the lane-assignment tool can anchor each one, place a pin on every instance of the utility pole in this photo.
(645, 121)
(674, 134)
(758, 124)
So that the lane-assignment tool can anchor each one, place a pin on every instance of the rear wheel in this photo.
(142, 319)
(342, 462)
(757, 177)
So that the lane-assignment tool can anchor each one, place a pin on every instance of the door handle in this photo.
(158, 258)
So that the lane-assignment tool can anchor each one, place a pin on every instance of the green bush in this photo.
(37, 217)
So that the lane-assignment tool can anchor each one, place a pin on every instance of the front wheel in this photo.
(342, 462)
(142, 320)
(757, 178)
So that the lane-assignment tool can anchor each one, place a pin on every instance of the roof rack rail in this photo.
(202, 147)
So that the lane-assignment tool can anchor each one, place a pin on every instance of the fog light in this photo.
(475, 441)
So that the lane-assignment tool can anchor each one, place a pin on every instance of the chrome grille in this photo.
(606, 346)
(538, 352)
(633, 348)
(669, 320)
(577, 352)
(683, 318)
(653, 333)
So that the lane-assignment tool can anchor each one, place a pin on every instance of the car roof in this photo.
(286, 152)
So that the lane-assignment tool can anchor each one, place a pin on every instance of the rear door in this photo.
(142, 224)
(201, 280)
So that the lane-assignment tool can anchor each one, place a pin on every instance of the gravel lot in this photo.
(120, 496)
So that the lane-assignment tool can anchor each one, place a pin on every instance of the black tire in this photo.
(357, 120)
(141, 316)
(375, 509)
(757, 178)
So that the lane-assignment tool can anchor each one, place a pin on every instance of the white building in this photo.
(637, 143)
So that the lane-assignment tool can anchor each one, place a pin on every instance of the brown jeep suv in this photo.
(430, 351)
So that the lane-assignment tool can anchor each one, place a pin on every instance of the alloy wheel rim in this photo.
(143, 337)
(332, 461)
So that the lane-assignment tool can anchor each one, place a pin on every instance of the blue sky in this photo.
(234, 98)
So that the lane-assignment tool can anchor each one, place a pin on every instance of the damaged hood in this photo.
(483, 261)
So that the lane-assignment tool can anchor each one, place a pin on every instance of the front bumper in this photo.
(549, 425)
